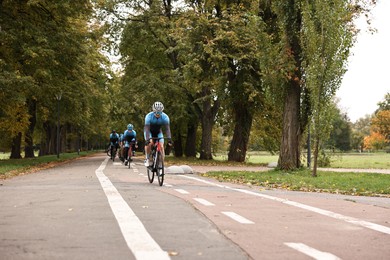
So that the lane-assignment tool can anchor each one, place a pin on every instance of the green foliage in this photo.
(50, 47)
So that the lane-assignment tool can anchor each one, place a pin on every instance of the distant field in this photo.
(345, 160)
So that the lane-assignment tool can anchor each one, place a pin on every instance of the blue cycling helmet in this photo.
(129, 127)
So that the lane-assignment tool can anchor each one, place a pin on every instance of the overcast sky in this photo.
(367, 79)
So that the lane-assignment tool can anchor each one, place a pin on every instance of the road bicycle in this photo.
(157, 168)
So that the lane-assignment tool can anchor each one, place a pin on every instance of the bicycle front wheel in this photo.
(160, 169)
(150, 175)
(129, 157)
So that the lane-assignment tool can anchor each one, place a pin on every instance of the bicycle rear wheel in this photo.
(113, 154)
(160, 169)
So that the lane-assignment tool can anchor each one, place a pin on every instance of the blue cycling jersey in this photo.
(114, 138)
(129, 136)
(153, 125)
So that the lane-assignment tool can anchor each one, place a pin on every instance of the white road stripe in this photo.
(137, 238)
(237, 217)
(316, 254)
(204, 202)
(182, 191)
(327, 213)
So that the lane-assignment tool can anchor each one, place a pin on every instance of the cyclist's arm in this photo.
(168, 131)
(147, 132)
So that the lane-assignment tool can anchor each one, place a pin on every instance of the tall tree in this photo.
(309, 29)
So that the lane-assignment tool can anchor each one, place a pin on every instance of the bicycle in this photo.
(112, 152)
(158, 163)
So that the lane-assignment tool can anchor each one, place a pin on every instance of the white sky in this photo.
(367, 79)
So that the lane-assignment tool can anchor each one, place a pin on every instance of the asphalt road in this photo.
(94, 208)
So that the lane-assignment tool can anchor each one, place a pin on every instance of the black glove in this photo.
(169, 141)
(147, 142)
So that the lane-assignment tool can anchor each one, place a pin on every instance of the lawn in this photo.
(338, 160)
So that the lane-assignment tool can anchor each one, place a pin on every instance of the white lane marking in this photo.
(134, 169)
(137, 238)
(204, 202)
(327, 213)
(237, 217)
(182, 191)
(316, 254)
(116, 163)
(167, 185)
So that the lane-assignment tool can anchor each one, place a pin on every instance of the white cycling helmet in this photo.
(129, 127)
(158, 106)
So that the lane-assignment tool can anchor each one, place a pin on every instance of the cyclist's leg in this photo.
(161, 136)
(125, 153)
(130, 152)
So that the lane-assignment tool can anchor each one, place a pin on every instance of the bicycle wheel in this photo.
(150, 175)
(109, 151)
(129, 157)
(151, 170)
(113, 154)
(160, 169)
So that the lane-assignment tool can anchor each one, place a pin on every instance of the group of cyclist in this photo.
(154, 122)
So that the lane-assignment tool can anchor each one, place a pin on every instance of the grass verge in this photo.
(351, 183)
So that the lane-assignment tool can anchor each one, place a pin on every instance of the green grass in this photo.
(338, 160)
(361, 184)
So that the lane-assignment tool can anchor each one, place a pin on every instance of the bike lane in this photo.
(286, 225)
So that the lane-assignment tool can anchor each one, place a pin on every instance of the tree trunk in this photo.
(316, 152)
(289, 157)
(15, 148)
(205, 146)
(28, 138)
(190, 149)
(243, 124)
(47, 140)
(208, 114)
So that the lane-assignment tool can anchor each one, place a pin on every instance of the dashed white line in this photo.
(316, 254)
(328, 213)
(137, 238)
(182, 191)
(204, 202)
(237, 217)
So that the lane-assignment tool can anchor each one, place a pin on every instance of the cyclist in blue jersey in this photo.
(121, 148)
(154, 121)
(114, 141)
(129, 138)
